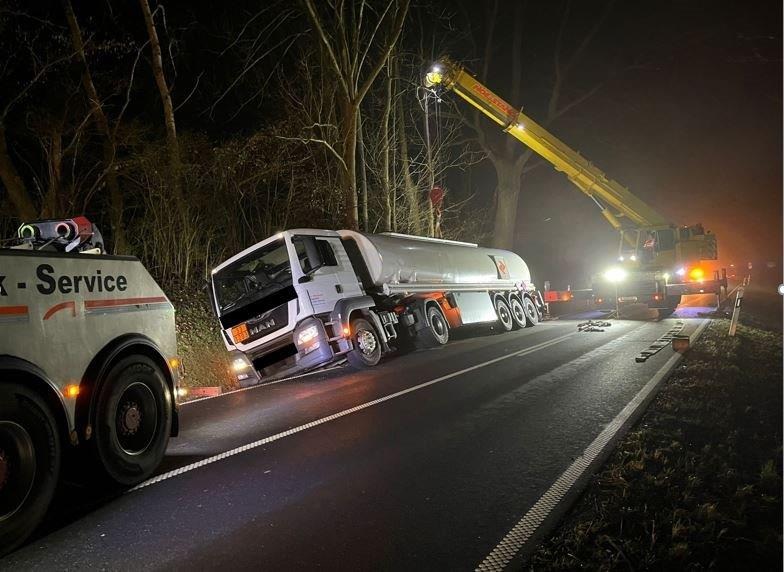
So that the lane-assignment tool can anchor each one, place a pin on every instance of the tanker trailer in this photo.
(304, 298)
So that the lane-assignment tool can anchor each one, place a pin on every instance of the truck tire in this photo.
(518, 312)
(29, 463)
(531, 313)
(436, 331)
(132, 420)
(672, 304)
(367, 346)
(504, 313)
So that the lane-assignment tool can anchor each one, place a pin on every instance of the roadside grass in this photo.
(696, 484)
(204, 357)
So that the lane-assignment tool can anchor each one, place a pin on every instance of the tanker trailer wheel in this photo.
(367, 346)
(29, 463)
(518, 312)
(531, 313)
(436, 331)
(504, 313)
(132, 420)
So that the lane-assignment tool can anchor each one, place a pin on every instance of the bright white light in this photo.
(182, 392)
(436, 68)
(239, 364)
(521, 127)
(781, 289)
(307, 335)
(615, 275)
(681, 271)
(620, 259)
(633, 257)
(666, 275)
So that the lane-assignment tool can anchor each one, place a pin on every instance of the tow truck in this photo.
(88, 368)
(658, 261)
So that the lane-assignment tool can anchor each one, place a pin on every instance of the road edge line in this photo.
(516, 544)
(338, 415)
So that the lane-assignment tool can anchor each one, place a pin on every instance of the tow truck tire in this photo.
(672, 304)
(518, 312)
(531, 313)
(132, 420)
(504, 313)
(436, 331)
(29, 463)
(367, 346)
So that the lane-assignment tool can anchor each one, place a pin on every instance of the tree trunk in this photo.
(507, 194)
(350, 161)
(168, 109)
(362, 170)
(13, 183)
(412, 195)
(116, 206)
(51, 207)
(386, 224)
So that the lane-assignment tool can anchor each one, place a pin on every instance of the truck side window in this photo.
(327, 254)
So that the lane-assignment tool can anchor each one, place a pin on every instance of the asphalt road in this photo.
(444, 453)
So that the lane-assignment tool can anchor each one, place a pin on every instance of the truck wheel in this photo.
(29, 463)
(436, 332)
(672, 304)
(518, 312)
(132, 420)
(531, 313)
(367, 347)
(504, 314)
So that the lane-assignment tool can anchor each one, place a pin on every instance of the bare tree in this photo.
(168, 109)
(508, 158)
(346, 40)
(108, 139)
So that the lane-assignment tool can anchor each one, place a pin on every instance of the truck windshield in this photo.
(253, 277)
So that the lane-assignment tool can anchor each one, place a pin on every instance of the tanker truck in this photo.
(305, 298)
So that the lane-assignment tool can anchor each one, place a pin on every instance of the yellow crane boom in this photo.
(588, 178)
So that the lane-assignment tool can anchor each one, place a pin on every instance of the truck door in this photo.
(334, 280)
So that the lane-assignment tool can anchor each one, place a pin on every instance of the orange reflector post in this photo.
(72, 391)
(240, 333)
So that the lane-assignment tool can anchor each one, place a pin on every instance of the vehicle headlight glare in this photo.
(239, 364)
(615, 275)
(307, 336)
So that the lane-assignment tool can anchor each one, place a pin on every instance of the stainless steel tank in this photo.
(403, 263)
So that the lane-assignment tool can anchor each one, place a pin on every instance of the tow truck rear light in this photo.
(697, 274)
(240, 333)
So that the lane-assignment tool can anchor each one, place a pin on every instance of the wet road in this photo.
(425, 462)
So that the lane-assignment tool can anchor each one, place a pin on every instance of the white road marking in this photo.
(333, 417)
(516, 538)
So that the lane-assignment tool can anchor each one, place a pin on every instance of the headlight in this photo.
(240, 364)
(615, 275)
(681, 271)
(305, 337)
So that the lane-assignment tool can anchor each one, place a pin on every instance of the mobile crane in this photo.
(659, 261)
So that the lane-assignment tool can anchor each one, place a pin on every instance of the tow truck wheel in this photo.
(504, 313)
(518, 312)
(367, 347)
(531, 313)
(29, 463)
(132, 420)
